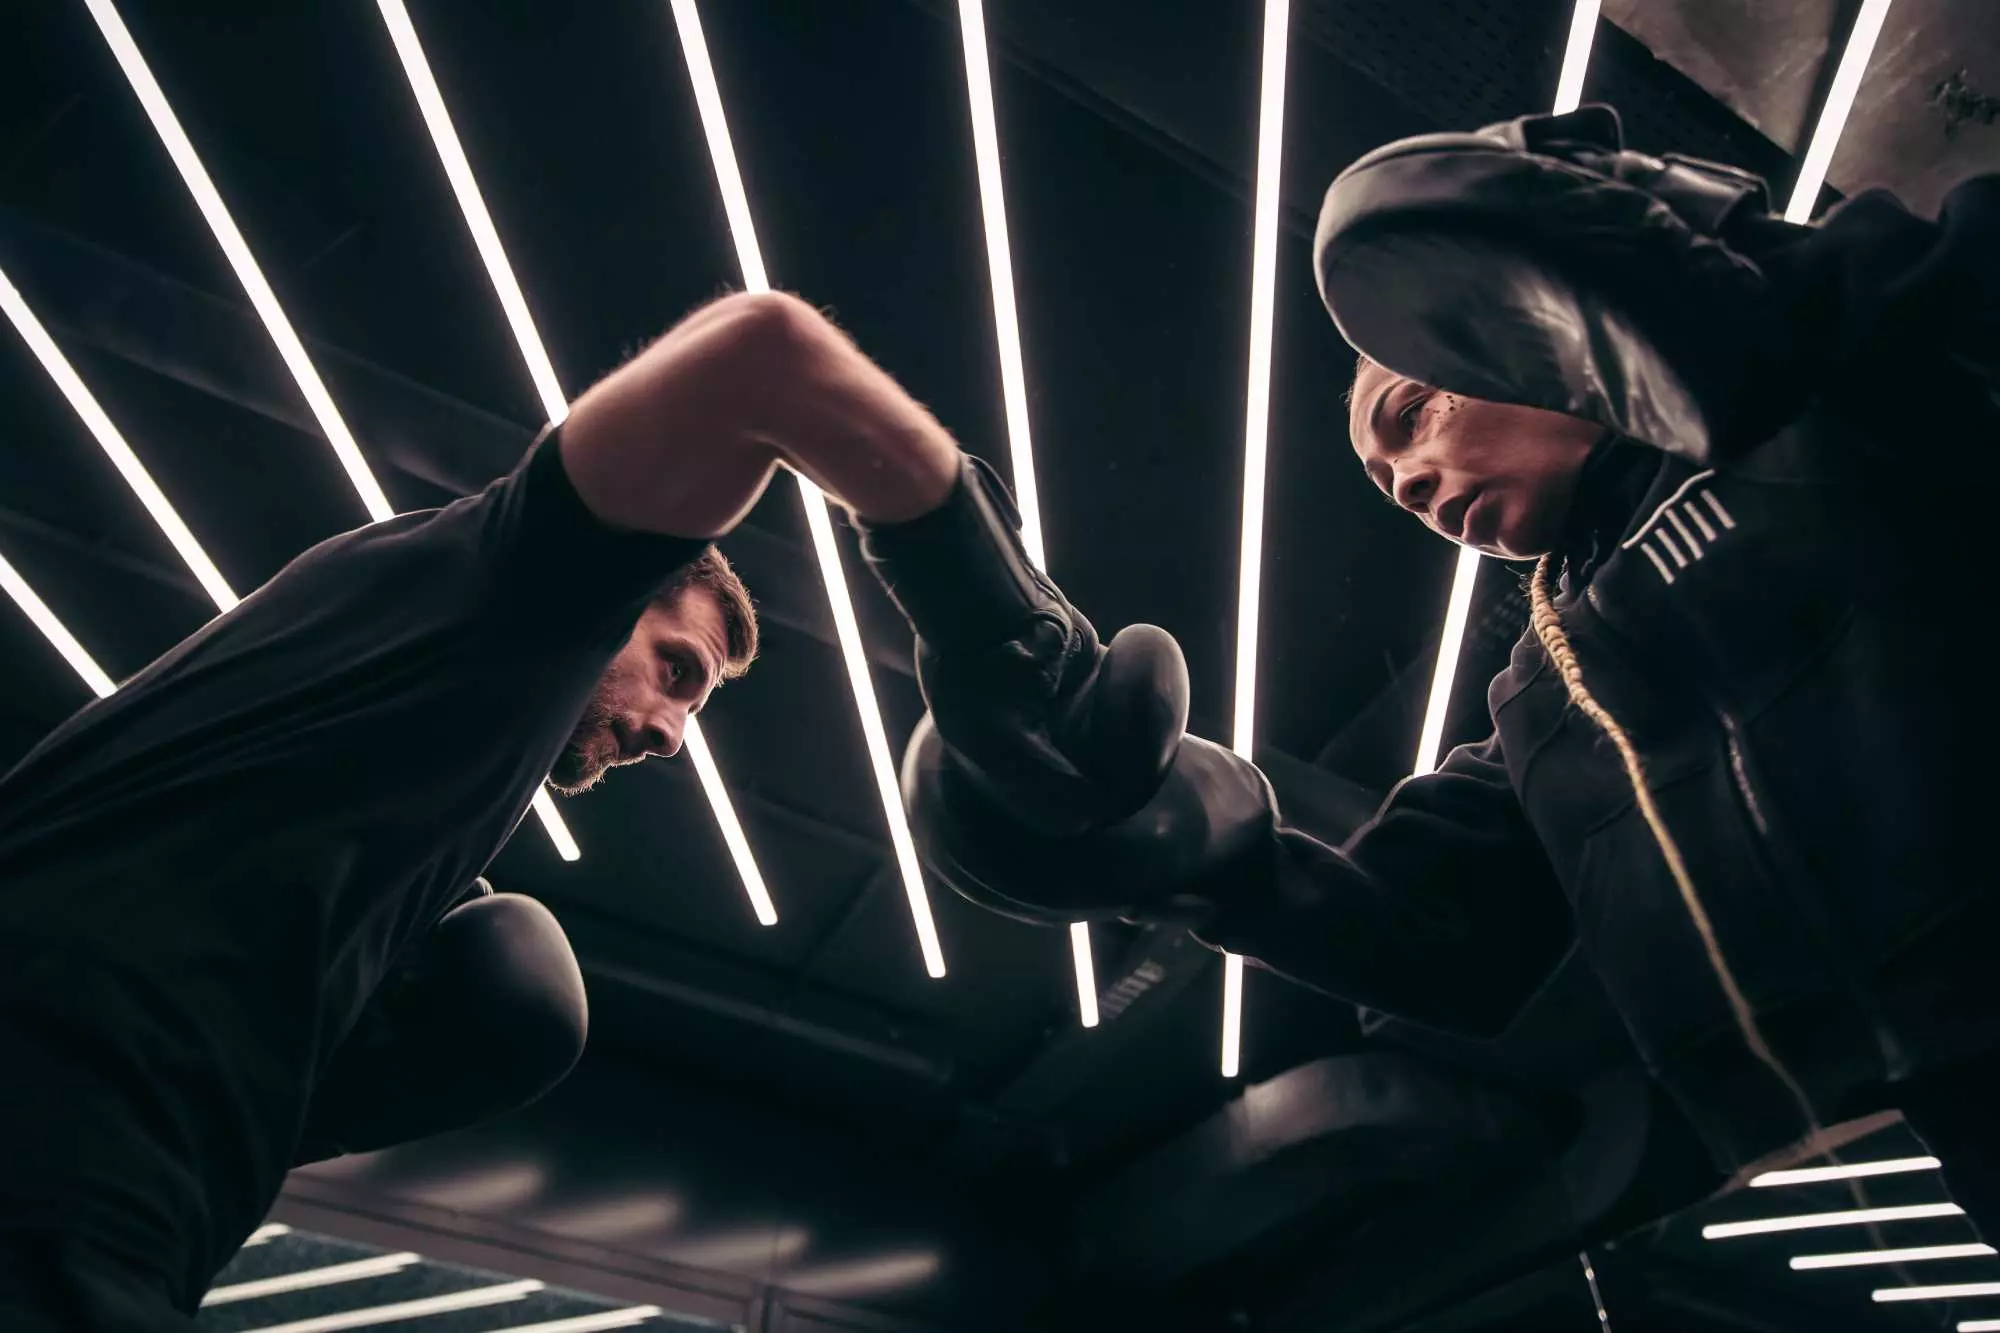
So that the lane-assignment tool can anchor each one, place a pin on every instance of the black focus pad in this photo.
(1539, 262)
(486, 1014)
(1210, 818)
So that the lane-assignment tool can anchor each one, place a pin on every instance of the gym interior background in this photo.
(792, 1127)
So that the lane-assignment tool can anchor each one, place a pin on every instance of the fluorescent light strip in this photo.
(1810, 1221)
(429, 1305)
(379, 1266)
(1576, 55)
(1000, 266)
(1013, 375)
(589, 1323)
(1839, 103)
(732, 830)
(270, 1231)
(1910, 1255)
(1814, 1174)
(54, 631)
(472, 207)
(238, 253)
(1950, 1291)
(1451, 644)
(1086, 974)
(85, 404)
(1256, 440)
(736, 205)
(1232, 1014)
(1979, 1326)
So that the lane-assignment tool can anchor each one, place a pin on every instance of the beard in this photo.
(590, 750)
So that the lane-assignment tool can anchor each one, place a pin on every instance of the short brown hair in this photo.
(711, 571)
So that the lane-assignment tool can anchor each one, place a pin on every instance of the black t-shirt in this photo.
(203, 877)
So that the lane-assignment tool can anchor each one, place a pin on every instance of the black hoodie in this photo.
(1793, 635)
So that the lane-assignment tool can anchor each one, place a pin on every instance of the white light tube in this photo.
(1839, 102)
(379, 1266)
(86, 407)
(428, 1305)
(589, 1323)
(1576, 55)
(472, 207)
(1948, 1292)
(37, 611)
(1910, 1255)
(1256, 440)
(1013, 375)
(736, 205)
(237, 251)
(1086, 974)
(1979, 1326)
(1451, 644)
(1813, 1174)
(732, 830)
(1809, 1221)
(1232, 1014)
(270, 1231)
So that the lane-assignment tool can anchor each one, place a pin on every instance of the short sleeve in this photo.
(551, 560)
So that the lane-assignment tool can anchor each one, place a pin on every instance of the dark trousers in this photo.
(1956, 1112)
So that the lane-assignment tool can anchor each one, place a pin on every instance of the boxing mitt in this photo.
(484, 1014)
(1211, 818)
(1062, 731)
(1540, 262)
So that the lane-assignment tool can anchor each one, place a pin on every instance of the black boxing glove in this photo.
(1212, 820)
(1064, 732)
(483, 1015)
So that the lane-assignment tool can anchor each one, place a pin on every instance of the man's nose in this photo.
(1415, 488)
(661, 734)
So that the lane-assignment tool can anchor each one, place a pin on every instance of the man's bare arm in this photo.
(684, 438)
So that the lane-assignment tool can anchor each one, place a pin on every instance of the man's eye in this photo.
(1407, 418)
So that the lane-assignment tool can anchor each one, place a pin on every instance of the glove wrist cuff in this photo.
(960, 573)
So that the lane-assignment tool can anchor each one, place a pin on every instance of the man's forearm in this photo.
(684, 438)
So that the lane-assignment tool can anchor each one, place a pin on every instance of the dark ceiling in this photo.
(1127, 133)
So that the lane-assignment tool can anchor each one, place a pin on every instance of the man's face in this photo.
(662, 675)
(1492, 476)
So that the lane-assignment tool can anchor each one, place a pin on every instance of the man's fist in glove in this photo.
(1209, 821)
(1063, 732)
(483, 1014)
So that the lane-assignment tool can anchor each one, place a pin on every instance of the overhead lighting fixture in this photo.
(237, 251)
(37, 611)
(1979, 1326)
(1256, 442)
(1764, 1226)
(1086, 973)
(472, 206)
(1839, 104)
(541, 371)
(1013, 375)
(380, 1266)
(590, 1323)
(1853, 1170)
(86, 407)
(1465, 573)
(267, 1233)
(1909, 1255)
(474, 1299)
(1948, 1292)
(1576, 55)
(736, 205)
